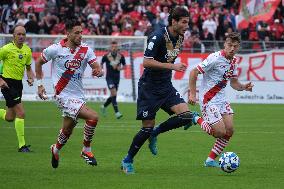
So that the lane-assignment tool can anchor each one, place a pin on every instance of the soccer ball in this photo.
(229, 162)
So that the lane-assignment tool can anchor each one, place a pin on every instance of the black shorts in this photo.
(13, 94)
(151, 99)
(112, 83)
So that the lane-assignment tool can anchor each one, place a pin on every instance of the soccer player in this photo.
(155, 90)
(115, 62)
(16, 57)
(217, 69)
(69, 59)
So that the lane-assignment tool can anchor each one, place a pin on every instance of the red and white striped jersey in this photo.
(216, 70)
(68, 67)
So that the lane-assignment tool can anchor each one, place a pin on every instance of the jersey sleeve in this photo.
(91, 56)
(49, 53)
(29, 58)
(153, 44)
(235, 71)
(2, 53)
(122, 60)
(207, 64)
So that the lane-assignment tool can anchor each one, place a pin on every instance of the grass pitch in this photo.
(258, 141)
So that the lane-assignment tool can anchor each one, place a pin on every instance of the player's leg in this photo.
(63, 136)
(137, 142)
(13, 97)
(110, 86)
(183, 117)
(113, 92)
(20, 126)
(222, 126)
(91, 117)
(147, 106)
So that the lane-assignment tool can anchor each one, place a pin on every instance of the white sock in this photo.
(87, 149)
(209, 159)
(55, 150)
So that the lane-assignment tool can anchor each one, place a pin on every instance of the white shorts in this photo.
(212, 113)
(69, 106)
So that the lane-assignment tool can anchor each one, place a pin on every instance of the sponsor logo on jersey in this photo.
(72, 64)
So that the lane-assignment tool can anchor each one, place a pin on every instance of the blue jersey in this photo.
(162, 47)
(112, 61)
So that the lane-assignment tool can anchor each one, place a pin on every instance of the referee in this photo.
(15, 57)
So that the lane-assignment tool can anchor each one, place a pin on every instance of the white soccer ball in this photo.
(229, 162)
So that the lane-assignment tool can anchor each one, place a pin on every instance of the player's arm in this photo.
(235, 84)
(39, 75)
(30, 75)
(122, 64)
(192, 86)
(151, 63)
(96, 69)
(3, 84)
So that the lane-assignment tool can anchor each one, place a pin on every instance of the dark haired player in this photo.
(69, 59)
(217, 69)
(155, 90)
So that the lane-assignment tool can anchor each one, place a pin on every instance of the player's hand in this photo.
(3, 84)
(30, 81)
(180, 67)
(98, 72)
(248, 86)
(191, 98)
(41, 92)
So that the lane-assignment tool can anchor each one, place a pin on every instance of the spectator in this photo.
(32, 25)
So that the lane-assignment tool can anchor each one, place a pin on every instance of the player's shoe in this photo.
(25, 148)
(89, 158)
(153, 145)
(54, 157)
(103, 110)
(127, 168)
(195, 117)
(211, 164)
(118, 115)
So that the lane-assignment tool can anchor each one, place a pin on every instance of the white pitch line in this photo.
(131, 127)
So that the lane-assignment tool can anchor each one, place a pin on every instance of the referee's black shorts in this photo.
(13, 94)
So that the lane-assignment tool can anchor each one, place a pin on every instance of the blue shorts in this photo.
(151, 99)
(112, 83)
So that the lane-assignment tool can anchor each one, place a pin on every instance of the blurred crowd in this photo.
(209, 19)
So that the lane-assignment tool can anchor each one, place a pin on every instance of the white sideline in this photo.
(130, 127)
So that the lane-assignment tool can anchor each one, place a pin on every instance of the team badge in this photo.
(20, 56)
(145, 113)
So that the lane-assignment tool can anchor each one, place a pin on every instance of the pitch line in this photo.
(128, 127)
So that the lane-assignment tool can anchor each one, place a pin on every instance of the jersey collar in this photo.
(223, 53)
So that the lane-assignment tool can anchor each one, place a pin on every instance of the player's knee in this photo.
(230, 132)
(92, 122)
(219, 132)
(21, 115)
(10, 119)
(67, 131)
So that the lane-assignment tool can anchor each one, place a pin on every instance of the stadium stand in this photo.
(210, 20)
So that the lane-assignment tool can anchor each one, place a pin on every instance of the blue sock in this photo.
(137, 143)
(172, 123)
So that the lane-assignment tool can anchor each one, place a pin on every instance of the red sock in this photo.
(205, 126)
(89, 131)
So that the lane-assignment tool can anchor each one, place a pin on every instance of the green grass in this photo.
(258, 141)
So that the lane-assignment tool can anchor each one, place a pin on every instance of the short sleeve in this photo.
(91, 56)
(29, 58)
(2, 53)
(153, 45)
(49, 53)
(207, 64)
